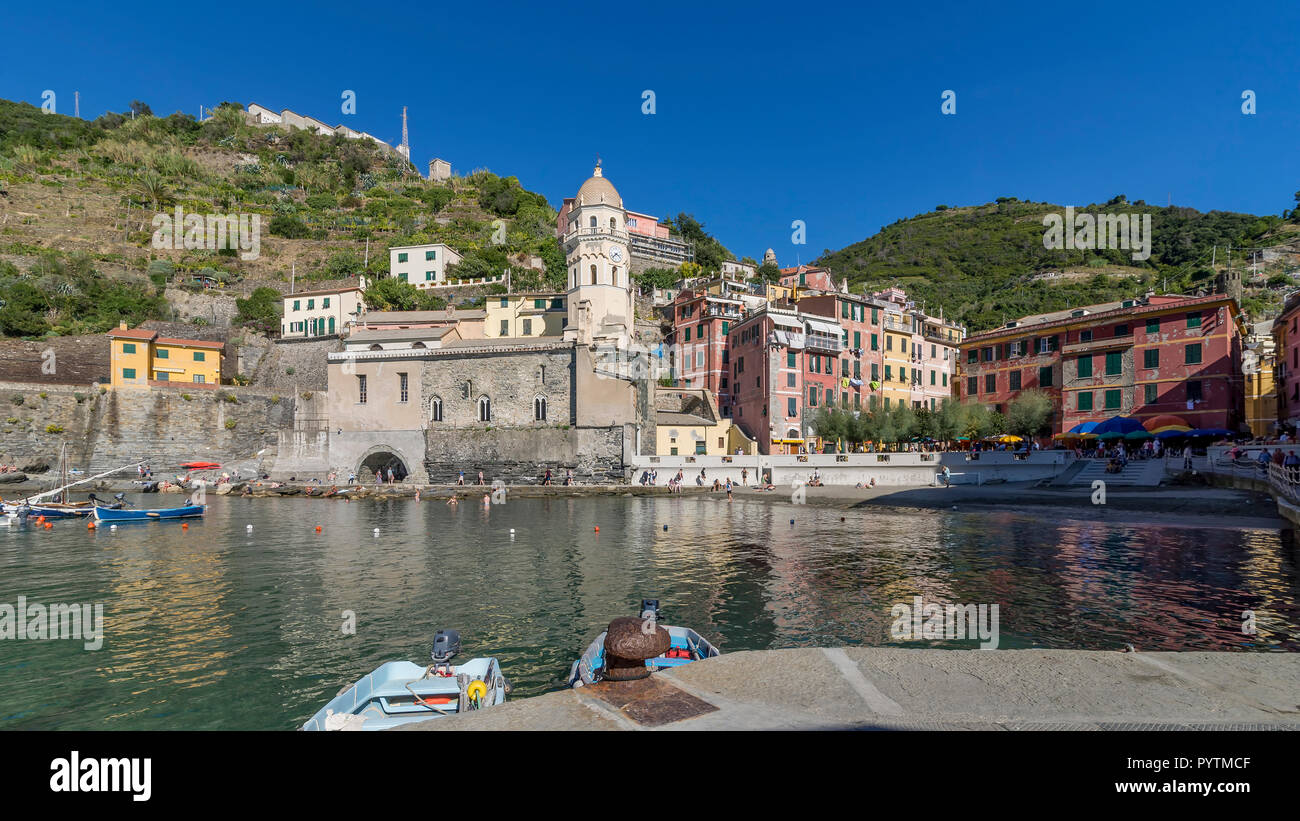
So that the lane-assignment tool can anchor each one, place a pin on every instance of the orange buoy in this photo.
(48, 525)
(597, 528)
(90, 525)
(185, 525)
(318, 528)
(40, 520)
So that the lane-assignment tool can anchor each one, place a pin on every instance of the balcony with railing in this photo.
(832, 343)
(597, 233)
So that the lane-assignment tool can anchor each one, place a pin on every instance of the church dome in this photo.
(599, 191)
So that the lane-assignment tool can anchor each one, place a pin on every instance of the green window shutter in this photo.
(163, 353)
(1194, 319)
(1085, 366)
(401, 257)
(128, 347)
(789, 359)
(1192, 354)
(1151, 358)
(1045, 377)
(128, 373)
(1085, 400)
(725, 325)
(1114, 363)
(1153, 325)
(199, 356)
(1150, 397)
(1112, 399)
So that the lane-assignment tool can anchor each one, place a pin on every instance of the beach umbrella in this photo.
(1171, 434)
(1118, 424)
(1209, 432)
(1110, 434)
(1139, 434)
(1166, 421)
(1083, 427)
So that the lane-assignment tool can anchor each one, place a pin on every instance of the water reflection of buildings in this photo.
(167, 622)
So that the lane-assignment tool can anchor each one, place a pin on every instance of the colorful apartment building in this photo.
(526, 315)
(140, 358)
(1142, 357)
(1286, 373)
(920, 356)
(802, 279)
(783, 368)
(861, 364)
(1258, 364)
(697, 344)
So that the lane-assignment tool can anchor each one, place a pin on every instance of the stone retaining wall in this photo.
(161, 426)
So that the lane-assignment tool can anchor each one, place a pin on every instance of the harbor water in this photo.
(251, 619)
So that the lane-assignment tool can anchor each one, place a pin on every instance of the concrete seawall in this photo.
(903, 689)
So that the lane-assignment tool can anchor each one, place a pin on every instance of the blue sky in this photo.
(765, 112)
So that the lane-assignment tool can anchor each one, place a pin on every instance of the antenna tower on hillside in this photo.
(405, 148)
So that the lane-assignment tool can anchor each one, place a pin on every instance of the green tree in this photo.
(262, 308)
(24, 309)
(1029, 414)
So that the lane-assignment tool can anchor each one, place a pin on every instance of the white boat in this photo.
(402, 692)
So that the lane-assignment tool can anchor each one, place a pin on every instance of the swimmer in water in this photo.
(452, 500)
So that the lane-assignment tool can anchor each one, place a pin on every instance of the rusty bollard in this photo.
(629, 642)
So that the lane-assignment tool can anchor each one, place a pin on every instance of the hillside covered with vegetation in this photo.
(78, 199)
(987, 264)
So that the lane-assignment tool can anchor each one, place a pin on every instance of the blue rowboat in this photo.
(402, 692)
(103, 514)
(685, 646)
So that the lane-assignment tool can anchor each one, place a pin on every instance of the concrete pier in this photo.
(901, 689)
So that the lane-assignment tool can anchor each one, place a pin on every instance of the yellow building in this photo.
(525, 315)
(897, 365)
(1257, 364)
(141, 359)
(687, 423)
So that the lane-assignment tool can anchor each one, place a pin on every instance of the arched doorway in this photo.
(383, 460)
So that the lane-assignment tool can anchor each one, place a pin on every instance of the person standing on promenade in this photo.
(460, 480)
(744, 476)
(1292, 464)
(1187, 457)
(546, 480)
(1263, 459)
(480, 477)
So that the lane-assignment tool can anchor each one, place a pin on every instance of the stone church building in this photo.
(428, 404)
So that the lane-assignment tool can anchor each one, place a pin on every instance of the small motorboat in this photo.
(108, 514)
(201, 465)
(685, 646)
(402, 692)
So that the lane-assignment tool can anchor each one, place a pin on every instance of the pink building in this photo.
(783, 369)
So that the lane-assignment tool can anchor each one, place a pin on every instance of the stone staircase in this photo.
(1141, 473)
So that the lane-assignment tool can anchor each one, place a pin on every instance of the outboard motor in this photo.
(446, 644)
(650, 609)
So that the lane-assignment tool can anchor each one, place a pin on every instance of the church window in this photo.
(484, 409)
(593, 274)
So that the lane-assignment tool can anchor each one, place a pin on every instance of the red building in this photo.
(698, 341)
(1143, 357)
(784, 367)
(1286, 371)
(862, 359)
(806, 277)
